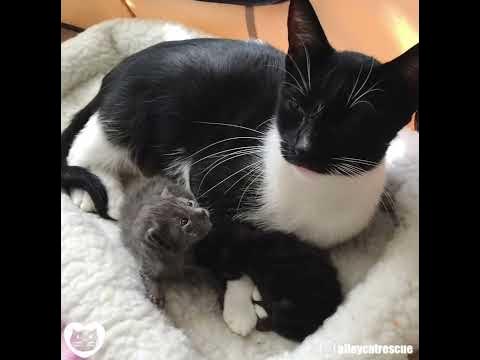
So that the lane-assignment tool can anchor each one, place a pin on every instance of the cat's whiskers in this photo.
(390, 200)
(228, 156)
(299, 86)
(318, 110)
(255, 169)
(294, 86)
(355, 84)
(246, 189)
(225, 151)
(365, 81)
(355, 169)
(224, 140)
(363, 101)
(220, 163)
(229, 177)
(356, 160)
(264, 122)
(229, 125)
(305, 86)
(369, 90)
(307, 55)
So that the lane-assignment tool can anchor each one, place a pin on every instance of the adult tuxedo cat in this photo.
(289, 142)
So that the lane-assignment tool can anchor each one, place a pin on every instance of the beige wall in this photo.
(382, 28)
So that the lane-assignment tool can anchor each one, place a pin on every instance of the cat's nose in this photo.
(302, 145)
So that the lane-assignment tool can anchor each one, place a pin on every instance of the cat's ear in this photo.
(304, 31)
(165, 193)
(404, 70)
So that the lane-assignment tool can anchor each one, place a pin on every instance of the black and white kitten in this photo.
(287, 142)
(160, 223)
(297, 284)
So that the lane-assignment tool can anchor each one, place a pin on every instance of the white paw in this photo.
(115, 193)
(81, 199)
(238, 310)
(256, 295)
(260, 311)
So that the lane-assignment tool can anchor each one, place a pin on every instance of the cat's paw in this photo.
(158, 301)
(238, 309)
(256, 296)
(81, 199)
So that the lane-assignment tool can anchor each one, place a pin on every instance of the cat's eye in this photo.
(294, 105)
(183, 221)
(191, 203)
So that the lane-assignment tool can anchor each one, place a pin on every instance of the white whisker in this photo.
(307, 55)
(223, 160)
(221, 141)
(264, 122)
(229, 125)
(355, 160)
(299, 86)
(366, 79)
(235, 173)
(246, 189)
(300, 73)
(257, 168)
(225, 151)
(355, 85)
(363, 101)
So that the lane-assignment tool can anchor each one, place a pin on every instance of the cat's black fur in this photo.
(297, 282)
(155, 101)
(160, 222)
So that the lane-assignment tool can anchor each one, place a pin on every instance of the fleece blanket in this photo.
(378, 270)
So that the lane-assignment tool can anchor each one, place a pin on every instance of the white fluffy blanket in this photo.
(100, 284)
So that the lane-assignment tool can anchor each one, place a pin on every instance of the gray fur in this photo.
(152, 229)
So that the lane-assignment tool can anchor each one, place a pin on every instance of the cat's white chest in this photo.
(322, 210)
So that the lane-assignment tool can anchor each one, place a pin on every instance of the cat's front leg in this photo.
(153, 290)
(238, 310)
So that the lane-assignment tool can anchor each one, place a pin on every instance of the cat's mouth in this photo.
(304, 168)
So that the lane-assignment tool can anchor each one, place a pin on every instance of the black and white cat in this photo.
(287, 142)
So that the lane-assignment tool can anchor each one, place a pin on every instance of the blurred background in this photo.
(382, 28)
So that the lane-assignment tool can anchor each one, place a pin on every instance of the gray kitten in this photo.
(160, 221)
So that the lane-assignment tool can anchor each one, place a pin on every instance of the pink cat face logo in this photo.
(84, 341)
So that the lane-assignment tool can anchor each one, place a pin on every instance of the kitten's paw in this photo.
(81, 199)
(159, 301)
(238, 310)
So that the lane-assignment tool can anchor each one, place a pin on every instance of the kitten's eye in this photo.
(191, 203)
(184, 221)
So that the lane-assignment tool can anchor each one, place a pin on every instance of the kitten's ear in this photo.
(404, 69)
(305, 31)
(165, 193)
